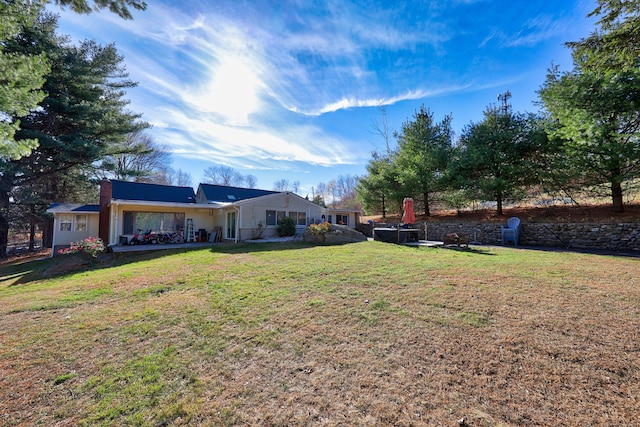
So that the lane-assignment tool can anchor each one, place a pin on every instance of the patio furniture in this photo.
(457, 239)
(511, 233)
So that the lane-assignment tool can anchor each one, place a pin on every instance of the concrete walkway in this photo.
(158, 246)
(425, 243)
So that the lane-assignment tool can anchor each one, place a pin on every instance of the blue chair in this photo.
(511, 233)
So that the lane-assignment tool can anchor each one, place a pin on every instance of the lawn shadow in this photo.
(466, 249)
(64, 265)
(61, 266)
(267, 246)
(469, 249)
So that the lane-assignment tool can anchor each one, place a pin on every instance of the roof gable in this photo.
(124, 190)
(223, 193)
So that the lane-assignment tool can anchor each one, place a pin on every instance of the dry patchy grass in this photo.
(291, 334)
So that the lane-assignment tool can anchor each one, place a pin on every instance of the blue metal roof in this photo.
(124, 190)
(223, 193)
(72, 207)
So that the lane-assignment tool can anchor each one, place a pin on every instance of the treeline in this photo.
(584, 139)
(493, 160)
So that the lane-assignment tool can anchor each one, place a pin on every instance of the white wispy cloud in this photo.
(535, 31)
(249, 86)
(345, 103)
(209, 122)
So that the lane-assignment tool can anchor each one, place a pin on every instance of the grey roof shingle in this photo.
(223, 193)
(72, 207)
(124, 190)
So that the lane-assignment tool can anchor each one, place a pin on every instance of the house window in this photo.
(65, 222)
(154, 221)
(276, 217)
(342, 219)
(299, 217)
(302, 218)
(80, 223)
(271, 218)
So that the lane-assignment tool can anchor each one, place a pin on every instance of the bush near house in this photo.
(90, 246)
(287, 227)
(323, 228)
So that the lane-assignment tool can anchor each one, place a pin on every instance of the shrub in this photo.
(323, 228)
(258, 232)
(91, 246)
(287, 227)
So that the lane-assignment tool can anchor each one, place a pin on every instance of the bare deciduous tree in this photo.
(382, 128)
(169, 176)
(138, 158)
(183, 178)
(282, 185)
(295, 186)
(250, 181)
(223, 175)
(346, 187)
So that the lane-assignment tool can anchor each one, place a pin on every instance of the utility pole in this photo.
(505, 108)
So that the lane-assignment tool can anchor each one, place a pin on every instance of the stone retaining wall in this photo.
(616, 237)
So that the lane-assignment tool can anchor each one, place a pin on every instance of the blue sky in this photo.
(291, 89)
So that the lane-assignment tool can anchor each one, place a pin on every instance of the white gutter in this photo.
(163, 204)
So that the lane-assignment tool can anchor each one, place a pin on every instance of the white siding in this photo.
(254, 212)
(63, 238)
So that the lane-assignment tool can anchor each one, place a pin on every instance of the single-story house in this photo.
(237, 213)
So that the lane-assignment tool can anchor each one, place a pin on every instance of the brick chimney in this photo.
(104, 217)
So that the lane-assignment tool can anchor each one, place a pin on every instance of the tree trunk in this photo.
(32, 236)
(616, 196)
(4, 222)
(426, 204)
(499, 203)
(46, 225)
(384, 208)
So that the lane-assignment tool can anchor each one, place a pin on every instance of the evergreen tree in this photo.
(81, 118)
(596, 104)
(424, 152)
(22, 72)
(498, 157)
(380, 190)
(21, 76)
(119, 7)
(616, 47)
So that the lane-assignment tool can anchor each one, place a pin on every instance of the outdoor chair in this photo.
(511, 233)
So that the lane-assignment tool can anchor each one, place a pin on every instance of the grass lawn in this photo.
(289, 334)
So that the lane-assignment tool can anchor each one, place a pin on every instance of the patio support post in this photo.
(237, 223)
